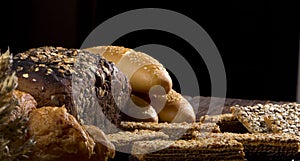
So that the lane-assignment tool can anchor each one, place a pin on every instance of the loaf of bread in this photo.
(143, 71)
(91, 88)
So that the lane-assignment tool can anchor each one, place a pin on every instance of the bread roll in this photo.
(58, 136)
(173, 107)
(143, 70)
(138, 110)
(91, 88)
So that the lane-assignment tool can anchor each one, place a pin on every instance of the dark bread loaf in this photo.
(84, 82)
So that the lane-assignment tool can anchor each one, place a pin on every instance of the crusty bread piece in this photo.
(58, 136)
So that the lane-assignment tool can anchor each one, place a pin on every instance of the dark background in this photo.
(258, 41)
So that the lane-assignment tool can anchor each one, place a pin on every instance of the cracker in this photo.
(226, 122)
(123, 140)
(262, 145)
(284, 118)
(174, 130)
(252, 117)
(207, 149)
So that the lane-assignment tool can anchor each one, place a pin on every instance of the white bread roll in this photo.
(173, 107)
(143, 71)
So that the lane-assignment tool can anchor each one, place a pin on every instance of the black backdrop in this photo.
(258, 41)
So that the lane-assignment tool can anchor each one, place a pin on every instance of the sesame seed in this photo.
(25, 75)
(49, 71)
(19, 68)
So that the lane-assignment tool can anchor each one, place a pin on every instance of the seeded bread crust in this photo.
(84, 82)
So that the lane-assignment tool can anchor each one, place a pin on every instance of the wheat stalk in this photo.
(11, 130)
